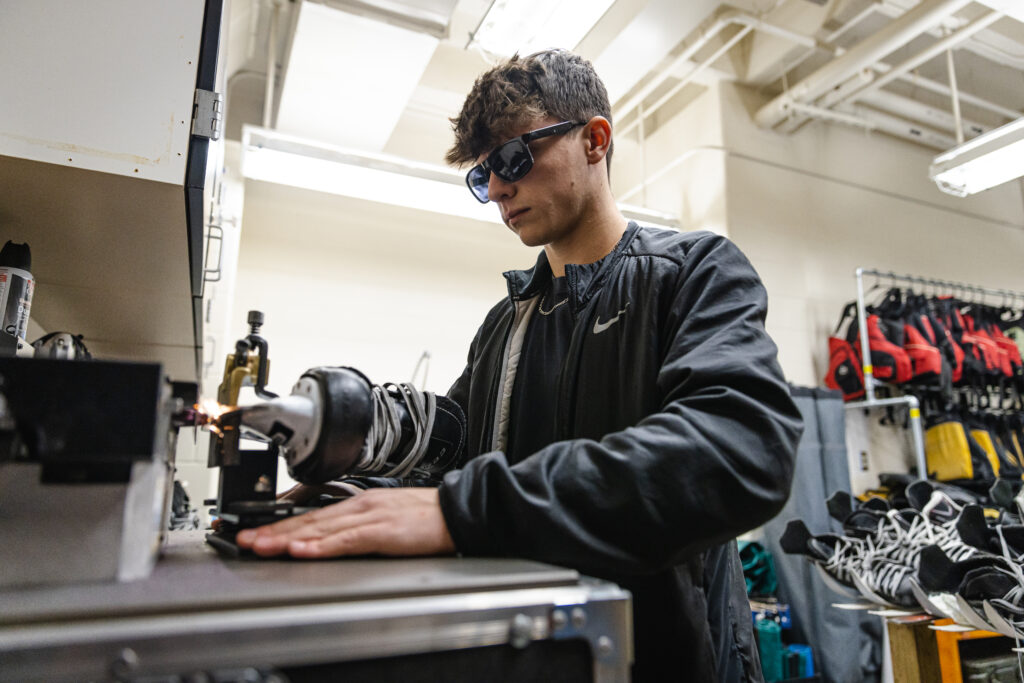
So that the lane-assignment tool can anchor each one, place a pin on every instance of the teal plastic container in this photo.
(769, 646)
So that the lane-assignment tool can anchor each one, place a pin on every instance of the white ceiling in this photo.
(323, 97)
(642, 48)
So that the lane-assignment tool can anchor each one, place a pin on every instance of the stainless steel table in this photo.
(202, 617)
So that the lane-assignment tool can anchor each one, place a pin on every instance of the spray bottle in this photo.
(16, 287)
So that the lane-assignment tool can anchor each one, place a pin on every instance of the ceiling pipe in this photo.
(725, 20)
(917, 111)
(686, 80)
(828, 44)
(915, 80)
(958, 119)
(792, 123)
(864, 54)
(920, 58)
(830, 115)
(271, 85)
(860, 81)
(976, 45)
(943, 89)
(900, 127)
(872, 120)
(924, 113)
(871, 91)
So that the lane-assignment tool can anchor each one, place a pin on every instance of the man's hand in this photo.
(302, 494)
(402, 521)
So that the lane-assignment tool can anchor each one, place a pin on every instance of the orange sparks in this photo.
(211, 409)
(209, 412)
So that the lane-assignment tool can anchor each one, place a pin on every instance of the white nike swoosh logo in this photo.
(600, 327)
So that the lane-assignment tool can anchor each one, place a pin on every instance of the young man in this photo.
(626, 413)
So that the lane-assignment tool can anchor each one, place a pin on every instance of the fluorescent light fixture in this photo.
(423, 16)
(287, 160)
(526, 26)
(349, 78)
(275, 157)
(986, 161)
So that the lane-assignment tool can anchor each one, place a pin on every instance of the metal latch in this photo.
(208, 114)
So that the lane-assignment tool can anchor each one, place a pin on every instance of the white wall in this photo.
(685, 179)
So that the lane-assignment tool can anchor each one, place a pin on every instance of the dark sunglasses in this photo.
(512, 160)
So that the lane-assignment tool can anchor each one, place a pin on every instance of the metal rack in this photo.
(870, 382)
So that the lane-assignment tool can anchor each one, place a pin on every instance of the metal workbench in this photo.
(203, 617)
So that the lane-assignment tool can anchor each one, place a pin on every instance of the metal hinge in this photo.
(208, 114)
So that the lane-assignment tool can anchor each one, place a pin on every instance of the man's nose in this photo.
(498, 189)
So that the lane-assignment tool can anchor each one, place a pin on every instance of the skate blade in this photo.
(993, 617)
(926, 602)
(833, 584)
(871, 595)
(971, 615)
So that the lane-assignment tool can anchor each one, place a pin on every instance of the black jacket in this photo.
(677, 433)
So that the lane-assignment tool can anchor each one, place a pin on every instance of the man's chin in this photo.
(529, 238)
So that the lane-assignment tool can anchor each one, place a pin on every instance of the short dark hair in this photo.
(554, 83)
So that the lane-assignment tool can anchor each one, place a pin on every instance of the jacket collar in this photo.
(584, 280)
(525, 284)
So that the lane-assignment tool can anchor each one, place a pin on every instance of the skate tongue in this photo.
(840, 505)
(936, 572)
(876, 504)
(1003, 491)
(973, 528)
(794, 539)
(986, 582)
(919, 493)
(862, 522)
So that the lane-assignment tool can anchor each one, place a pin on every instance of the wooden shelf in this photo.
(921, 654)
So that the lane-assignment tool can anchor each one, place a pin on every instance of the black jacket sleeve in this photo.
(714, 461)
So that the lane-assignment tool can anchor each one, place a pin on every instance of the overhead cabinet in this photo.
(107, 117)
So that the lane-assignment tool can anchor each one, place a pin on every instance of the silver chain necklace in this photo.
(540, 306)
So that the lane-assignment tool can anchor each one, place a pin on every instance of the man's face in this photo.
(544, 206)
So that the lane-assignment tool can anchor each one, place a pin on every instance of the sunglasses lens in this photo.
(478, 179)
(512, 160)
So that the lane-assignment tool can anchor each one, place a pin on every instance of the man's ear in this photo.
(598, 136)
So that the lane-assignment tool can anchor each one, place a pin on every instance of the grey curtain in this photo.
(847, 644)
